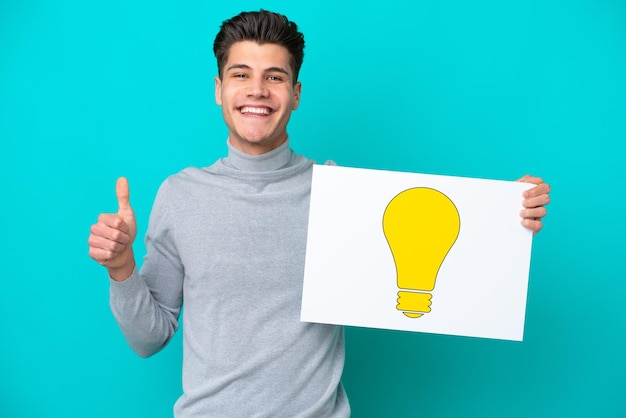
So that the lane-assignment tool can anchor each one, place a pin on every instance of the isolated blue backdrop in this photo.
(90, 91)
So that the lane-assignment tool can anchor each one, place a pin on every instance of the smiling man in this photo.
(229, 240)
(257, 91)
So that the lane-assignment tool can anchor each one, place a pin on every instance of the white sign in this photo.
(416, 252)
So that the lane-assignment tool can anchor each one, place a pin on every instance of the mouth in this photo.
(255, 110)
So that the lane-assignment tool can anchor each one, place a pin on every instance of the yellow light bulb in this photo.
(421, 225)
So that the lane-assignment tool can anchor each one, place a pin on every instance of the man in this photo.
(230, 240)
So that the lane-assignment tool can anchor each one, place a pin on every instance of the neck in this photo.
(268, 161)
(257, 148)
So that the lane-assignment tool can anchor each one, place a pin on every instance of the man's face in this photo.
(257, 95)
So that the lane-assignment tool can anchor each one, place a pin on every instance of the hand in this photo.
(534, 203)
(111, 238)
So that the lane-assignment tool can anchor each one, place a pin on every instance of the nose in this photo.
(258, 88)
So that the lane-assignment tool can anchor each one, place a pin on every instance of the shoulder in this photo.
(191, 177)
(181, 183)
(188, 175)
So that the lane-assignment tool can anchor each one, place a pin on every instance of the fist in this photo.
(112, 237)
(535, 201)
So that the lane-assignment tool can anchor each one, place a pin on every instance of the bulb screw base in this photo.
(414, 304)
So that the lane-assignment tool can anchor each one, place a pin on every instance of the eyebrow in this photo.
(267, 70)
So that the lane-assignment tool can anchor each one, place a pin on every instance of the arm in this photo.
(534, 203)
(145, 304)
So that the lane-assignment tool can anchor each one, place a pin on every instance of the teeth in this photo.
(255, 110)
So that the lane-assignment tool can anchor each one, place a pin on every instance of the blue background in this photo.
(90, 91)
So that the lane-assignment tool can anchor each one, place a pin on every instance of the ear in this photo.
(297, 90)
(218, 91)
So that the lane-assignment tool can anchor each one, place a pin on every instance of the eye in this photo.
(239, 75)
(275, 78)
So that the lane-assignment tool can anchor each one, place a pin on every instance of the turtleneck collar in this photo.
(270, 161)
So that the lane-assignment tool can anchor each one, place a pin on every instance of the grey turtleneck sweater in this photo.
(229, 241)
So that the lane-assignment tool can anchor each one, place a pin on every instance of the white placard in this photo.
(416, 252)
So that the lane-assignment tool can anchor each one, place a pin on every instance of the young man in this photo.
(230, 240)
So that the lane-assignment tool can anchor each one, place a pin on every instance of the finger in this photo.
(105, 233)
(543, 188)
(123, 194)
(530, 179)
(100, 243)
(534, 202)
(533, 225)
(534, 213)
(101, 256)
(113, 221)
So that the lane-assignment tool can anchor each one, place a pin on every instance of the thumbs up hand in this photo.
(111, 238)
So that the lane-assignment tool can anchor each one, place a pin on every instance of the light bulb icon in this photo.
(421, 226)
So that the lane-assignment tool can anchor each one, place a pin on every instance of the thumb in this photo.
(123, 194)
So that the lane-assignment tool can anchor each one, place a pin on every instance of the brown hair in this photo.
(261, 27)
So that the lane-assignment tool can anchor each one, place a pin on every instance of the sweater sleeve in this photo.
(147, 305)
